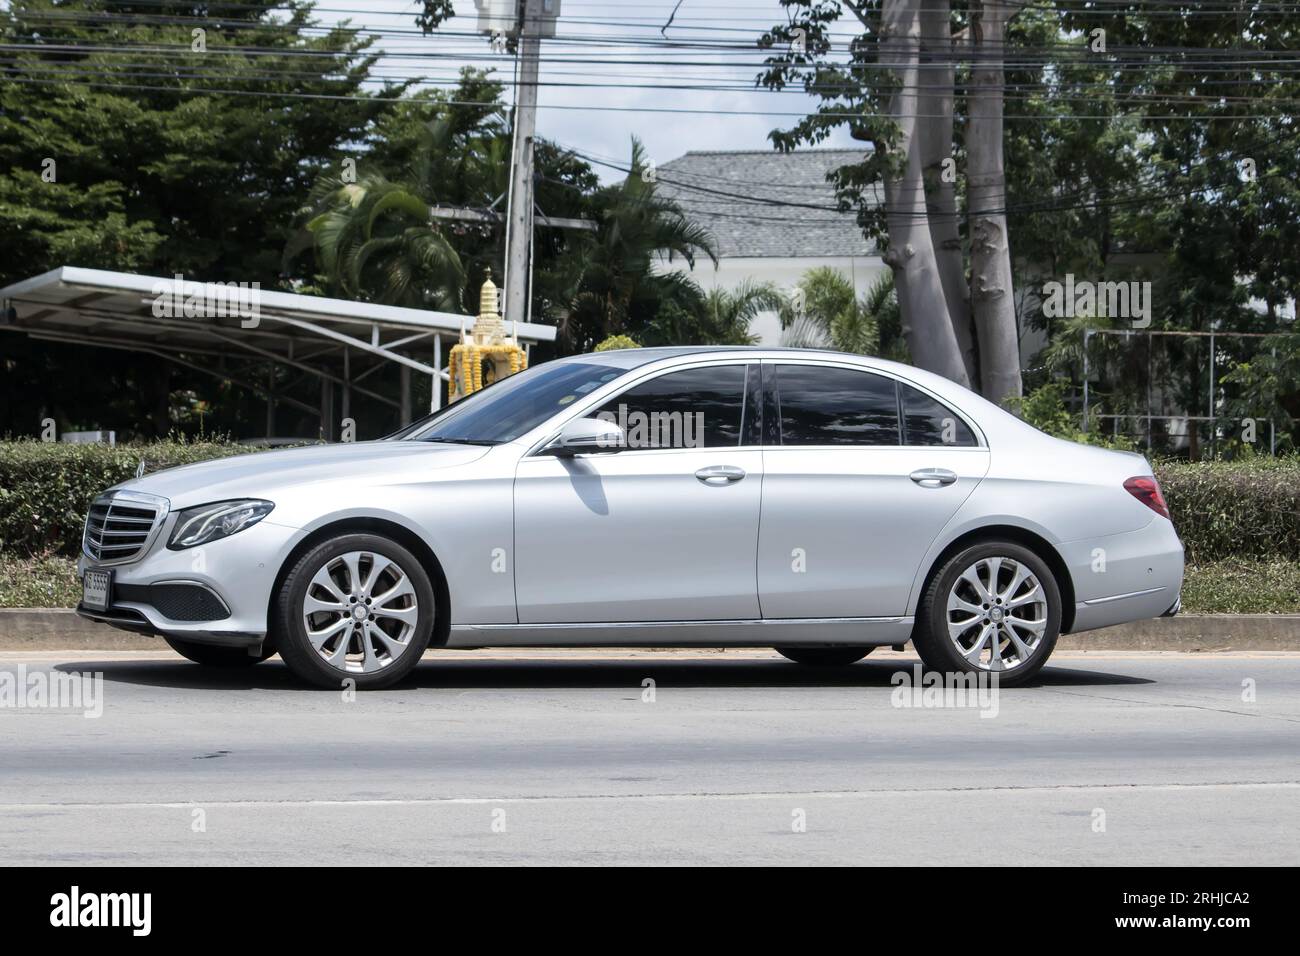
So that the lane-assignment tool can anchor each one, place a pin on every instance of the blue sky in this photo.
(566, 113)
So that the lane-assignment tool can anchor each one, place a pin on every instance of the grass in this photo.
(38, 582)
(1238, 586)
(1242, 586)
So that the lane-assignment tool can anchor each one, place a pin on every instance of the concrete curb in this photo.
(42, 628)
(31, 629)
(1194, 632)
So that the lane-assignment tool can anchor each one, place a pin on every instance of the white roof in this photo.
(92, 302)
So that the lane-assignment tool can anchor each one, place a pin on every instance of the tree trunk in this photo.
(991, 289)
(934, 132)
(921, 298)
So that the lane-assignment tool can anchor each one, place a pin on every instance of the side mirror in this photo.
(587, 435)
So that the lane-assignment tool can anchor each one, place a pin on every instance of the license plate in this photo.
(95, 589)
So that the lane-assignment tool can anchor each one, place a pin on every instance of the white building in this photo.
(773, 218)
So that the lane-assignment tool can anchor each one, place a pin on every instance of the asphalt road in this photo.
(557, 757)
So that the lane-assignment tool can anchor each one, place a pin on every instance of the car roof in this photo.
(985, 413)
(634, 358)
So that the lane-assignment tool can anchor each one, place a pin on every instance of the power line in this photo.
(15, 77)
(1286, 67)
(1046, 206)
(377, 74)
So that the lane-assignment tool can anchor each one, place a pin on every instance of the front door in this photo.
(666, 530)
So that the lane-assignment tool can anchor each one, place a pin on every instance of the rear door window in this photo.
(827, 405)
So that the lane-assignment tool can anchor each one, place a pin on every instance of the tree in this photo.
(616, 285)
(1209, 195)
(888, 98)
(373, 240)
(992, 295)
(931, 335)
(935, 105)
(439, 149)
(825, 312)
(101, 166)
(723, 317)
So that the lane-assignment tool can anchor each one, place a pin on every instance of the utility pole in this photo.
(519, 215)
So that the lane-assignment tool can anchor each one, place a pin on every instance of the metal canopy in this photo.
(339, 342)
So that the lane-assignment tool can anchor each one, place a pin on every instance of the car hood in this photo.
(265, 474)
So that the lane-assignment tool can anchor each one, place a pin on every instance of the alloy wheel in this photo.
(997, 614)
(360, 612)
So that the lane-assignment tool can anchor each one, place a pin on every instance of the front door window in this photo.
(693, 408)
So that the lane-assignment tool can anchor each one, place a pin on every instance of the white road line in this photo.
(732, 656)
(655, 797)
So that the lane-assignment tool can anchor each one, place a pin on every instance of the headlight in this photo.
(220, 519)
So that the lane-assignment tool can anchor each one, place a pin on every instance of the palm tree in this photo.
(721, 317)
(616, 285)
(825, 312)
(374, 242)
(373, 237)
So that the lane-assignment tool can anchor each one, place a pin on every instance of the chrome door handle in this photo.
(933, 477)
(720, 474)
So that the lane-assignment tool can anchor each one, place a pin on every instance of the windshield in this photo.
(511, 406)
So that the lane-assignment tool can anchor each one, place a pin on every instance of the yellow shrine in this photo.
(486, 353)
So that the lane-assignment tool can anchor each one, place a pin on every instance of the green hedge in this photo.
(1247, 509)
(46, 487)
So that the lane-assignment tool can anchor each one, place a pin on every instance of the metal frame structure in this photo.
(1149, 417)
(316, 336)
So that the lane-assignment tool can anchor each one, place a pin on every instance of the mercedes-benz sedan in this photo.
(819, 503)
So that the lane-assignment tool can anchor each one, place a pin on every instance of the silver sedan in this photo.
(819, 503)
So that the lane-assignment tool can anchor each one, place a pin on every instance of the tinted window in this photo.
(927, 422)
(822, 405)
(693, 408)
(512, 406)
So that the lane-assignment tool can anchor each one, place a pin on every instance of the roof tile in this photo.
(743, 198)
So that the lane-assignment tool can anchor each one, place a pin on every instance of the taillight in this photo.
(1147, 490)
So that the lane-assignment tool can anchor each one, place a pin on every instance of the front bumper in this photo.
(131, 619)
(239, 572)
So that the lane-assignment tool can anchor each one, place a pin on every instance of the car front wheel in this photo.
(358, 607)
(993, 608)
(824, 656)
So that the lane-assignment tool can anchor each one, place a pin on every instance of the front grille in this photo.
(121, 524)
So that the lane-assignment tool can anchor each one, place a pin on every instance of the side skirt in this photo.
(861, 631)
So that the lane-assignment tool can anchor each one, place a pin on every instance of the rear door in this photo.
(861, 473)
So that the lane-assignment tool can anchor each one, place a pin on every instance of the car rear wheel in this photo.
(824, 656)
(358, 607)
(213, 655)
(993, 608)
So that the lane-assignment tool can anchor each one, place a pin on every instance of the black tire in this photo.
(824, 656)
(932, 640)
(214, 655)
(295, 646)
